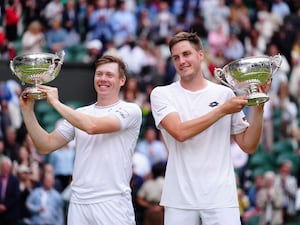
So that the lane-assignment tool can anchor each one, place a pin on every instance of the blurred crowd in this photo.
(138, 31)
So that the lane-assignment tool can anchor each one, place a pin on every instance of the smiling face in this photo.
(107, 82)
(187, 60)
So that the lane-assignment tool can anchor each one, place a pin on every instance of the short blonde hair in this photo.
(113, 59)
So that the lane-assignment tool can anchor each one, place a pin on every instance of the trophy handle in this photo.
(276, 62)
(12, 67)
(220, 75)
(61, 56)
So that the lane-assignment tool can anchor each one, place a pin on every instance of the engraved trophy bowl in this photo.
(37, 68)
(244, 76)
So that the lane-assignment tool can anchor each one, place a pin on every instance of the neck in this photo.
(195, 84)
(106, 102)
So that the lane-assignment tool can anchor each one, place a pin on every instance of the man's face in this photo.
(107, 81)
(186, 59)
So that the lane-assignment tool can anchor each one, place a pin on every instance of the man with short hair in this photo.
(105, 136)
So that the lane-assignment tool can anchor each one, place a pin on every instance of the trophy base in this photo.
(257, 99)
(38, 95)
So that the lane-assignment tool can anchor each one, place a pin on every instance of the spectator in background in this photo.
(123, 23)
(152, 147)
(52, 10)
(45, 203)
(280, 8)
(2, 11)
(13, 105)
(215, 12)
(70, 23)
(239, 19)
(5, 94)
(48, 168)
(132, 92)
(5, 118)
(254, 44)
(12, 146)
(99, 23)
(2, 154)
(217, 39)
(13, 14)
(9, 194)
(239, 160)
(151, 6)
(255, 187)
(197, 26)
(288, 183)
(269, 200)
(242, 199)
(267, 138)
(70, 16)
(144, 24)
(62, 161)
(94, 51)
(149, 195)
(141, 169)
(36, 156)
(288, 113)
(110, 49)
(33, 39)
(7, 49)
(164, 23)
(81, 10)
(133, 55)
(25, 159)
(26, 186)
(57, 37)
(234, 49)
(31, 12)
(282, 73)
(266, 23)
(294, 79)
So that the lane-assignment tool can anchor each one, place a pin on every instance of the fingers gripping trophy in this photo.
(244, 76)
(37, 68)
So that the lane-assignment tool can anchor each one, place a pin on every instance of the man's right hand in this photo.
(235, 104)
(26, 100)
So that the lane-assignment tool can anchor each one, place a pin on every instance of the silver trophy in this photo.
(244, 76)
(37, 68)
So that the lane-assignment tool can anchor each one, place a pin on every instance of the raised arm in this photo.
(182, 131)
(87, 123)
(45, 142)
(249, 139)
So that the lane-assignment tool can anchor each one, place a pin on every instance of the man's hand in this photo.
(51, 93)
(235, 104)
(266, 86)
(26, 100)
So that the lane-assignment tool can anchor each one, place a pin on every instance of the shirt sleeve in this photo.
(160, 105)
(66, 130)
(129, 114)
(239, 123)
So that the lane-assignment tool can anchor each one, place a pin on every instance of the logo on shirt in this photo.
(123, 113)
(213, 104)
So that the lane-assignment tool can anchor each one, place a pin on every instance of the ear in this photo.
(122, 81)
(201, 54)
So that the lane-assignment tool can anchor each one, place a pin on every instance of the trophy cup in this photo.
(245, 75)
(37, 68)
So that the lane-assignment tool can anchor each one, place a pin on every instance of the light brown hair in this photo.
(193, 38)
(112, 59)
